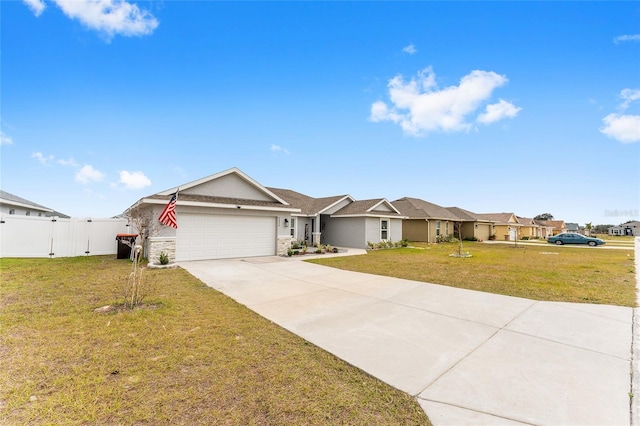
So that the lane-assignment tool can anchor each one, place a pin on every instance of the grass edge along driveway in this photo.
(546, 272)
(192, 356)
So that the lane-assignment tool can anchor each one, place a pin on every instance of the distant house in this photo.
(341, 220)
(573, 227)
(506, 225)
(558, 226)
(13, 205)
(473, 226)
(529, 228)
(629, 228)
(425, 221)
(544, 229)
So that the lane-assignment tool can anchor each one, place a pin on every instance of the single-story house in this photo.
(573, 227)
(341, 220)
(230, 215)
(529, 228)
(225, 215)
(505, 226)
(545, 230)
(13, 205)
(629, 228)
(473, 226)
(558, 226)
(425, 221)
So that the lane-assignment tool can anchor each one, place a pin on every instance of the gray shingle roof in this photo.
(416, 208)
(308, 205)
(467, 215)
(8, 198)
(362, 207)
(497, 217)
(218, 200)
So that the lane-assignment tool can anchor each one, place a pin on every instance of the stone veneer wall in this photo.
(158, 245)
(284, 244)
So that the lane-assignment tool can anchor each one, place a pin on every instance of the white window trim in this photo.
(293, 228)
(388, 230)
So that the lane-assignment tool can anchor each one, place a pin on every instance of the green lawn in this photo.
(192, 356)
(545, 272)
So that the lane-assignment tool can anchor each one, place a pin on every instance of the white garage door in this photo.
(203, 236)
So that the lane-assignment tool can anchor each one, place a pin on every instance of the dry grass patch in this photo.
(196, 358)
(567, 274)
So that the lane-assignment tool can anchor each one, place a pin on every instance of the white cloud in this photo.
(420, 107)
(628, 96)
(624, 128)
(134, 180)
(499, 111)
(36, 6)
(44, 160)
(70, 162)
(88, 174)
(627, 37)
(278, 148)
(109, 17)
(5, 139)
(410, 49)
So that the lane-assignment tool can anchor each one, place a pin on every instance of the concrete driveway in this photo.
(468, 357)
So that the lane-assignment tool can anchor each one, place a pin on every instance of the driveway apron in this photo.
(468, 357)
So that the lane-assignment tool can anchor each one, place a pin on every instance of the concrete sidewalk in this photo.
(468, 357)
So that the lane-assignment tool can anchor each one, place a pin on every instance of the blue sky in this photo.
(525, 107)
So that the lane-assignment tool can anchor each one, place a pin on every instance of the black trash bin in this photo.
(125, 243)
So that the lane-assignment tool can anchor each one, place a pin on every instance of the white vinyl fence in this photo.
(26, 236)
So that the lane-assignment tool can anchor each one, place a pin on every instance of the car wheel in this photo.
(559, 242)
(592, 243)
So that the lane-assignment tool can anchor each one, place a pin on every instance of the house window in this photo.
(384, 229)
(12, 211)
(437, 228)
(446, 228)
(28, 213)
(39, 214)
(293, 228)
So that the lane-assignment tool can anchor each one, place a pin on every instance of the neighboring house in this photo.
(558, 226)
(342, 221)
(573, 227)
(505, 225)
(545, 230)
(12, 204)
(425, 221)
(629, 228)
(363, 221)
(529, 228)
(225, 215)
(473, 226)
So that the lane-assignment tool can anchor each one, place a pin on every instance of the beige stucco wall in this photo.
(415, 230)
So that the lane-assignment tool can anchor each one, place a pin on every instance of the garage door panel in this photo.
(225, 236)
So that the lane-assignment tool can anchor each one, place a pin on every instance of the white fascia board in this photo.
(384, 201)
(371, 215)
(349, 197)
(222, 206)
(235, 170)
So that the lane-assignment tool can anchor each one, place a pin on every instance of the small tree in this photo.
(135, 290)
(588, 228)
(145, 224)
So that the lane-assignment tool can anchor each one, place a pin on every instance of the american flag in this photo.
(168, 215)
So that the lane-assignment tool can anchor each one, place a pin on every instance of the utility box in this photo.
(125, 243)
